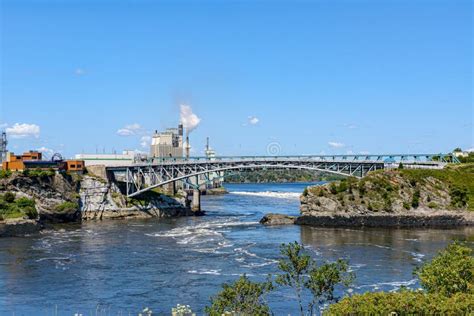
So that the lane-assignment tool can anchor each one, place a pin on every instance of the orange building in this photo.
(74, 165)
(13, 163)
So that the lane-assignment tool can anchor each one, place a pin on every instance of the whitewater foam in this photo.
(272, 194)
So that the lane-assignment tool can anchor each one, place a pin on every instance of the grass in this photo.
(11, 207)
(381, 190)
(458, 177)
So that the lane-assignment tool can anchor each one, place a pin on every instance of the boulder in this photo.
(277, 219)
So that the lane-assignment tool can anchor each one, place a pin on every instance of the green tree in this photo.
(294, 265)
(243, 297)
(323, 280)
(302, 273)
(450, 272)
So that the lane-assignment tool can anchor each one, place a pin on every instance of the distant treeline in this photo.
(265, 176)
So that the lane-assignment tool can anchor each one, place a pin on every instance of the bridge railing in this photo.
(382, 158)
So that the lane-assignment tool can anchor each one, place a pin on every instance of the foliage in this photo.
(9, 197)
(450, 272)
(459, 196)
(403, 303)
(242, 297)
(415, 200)
(263, 176)
(66, 207)
(10, 207)
(459, 178)
(5, 174)
(39, 173)
(301, 272)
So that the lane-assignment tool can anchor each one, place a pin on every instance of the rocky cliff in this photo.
(399, 197)
(71, 198)
(101, 199)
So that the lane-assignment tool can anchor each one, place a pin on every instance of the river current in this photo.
(120, 267)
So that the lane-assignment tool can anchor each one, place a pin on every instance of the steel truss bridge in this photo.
(144, 176)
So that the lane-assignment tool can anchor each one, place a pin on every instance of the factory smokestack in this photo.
(188, 145)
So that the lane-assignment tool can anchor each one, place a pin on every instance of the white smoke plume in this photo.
(189, 120)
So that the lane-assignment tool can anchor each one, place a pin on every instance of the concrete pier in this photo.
(196, 202)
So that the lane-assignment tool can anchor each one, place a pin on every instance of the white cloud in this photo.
(79, 71)
(23, 130)
(145, 141)
(470, 150)
(253, 120)
(336, 145)
(350, 126)
(47, 151)
(129, 130)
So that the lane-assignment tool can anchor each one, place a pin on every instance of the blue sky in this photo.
(310, 76)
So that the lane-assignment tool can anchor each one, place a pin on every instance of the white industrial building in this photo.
(168, 143)
(109, 160)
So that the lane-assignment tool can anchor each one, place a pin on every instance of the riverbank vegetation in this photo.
(13, 207)
(280, 176)
(447, 288)
(401, 189)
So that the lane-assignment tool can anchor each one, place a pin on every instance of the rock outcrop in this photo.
(19, 227)
(272, 219)
(61, 198)
(49, 194)
(101, 199)
(398, 198)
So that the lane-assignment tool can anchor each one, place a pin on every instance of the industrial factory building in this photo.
(168, 143)
(109, 160)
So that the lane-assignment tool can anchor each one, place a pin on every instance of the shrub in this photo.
(243, 297)
(31, 212)
(415, 201)
(5, 174)
(305, 192)
(450, 272)
(406, 205)
(403, 303)
(9, 197)
(25, 202)
(66, 207)
(459, 196)
(432, 205)
(333, 188)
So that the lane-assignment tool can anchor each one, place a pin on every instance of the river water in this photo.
(120, 267)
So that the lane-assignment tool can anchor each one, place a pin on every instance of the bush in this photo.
(415, 201)
(5, 174)
(459, 196)
(9, 197)
(243, 297)
(450, 272)
(432, 205)
(25, 202)
(66, 207)
(31, 212)
(403, 303)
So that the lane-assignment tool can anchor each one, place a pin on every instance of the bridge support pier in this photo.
(196, 202)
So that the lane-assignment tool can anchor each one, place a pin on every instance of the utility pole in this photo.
(3, 147)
